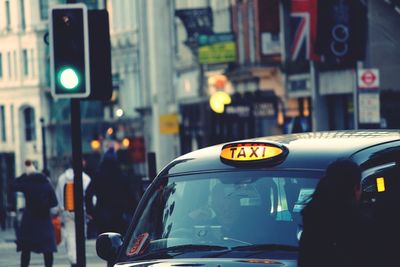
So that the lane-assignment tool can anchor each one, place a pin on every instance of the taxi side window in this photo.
(381, 194)
(378, 181)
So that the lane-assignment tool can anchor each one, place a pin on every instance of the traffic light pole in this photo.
(78, 185)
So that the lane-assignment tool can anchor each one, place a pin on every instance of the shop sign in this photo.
(216, 48)
(265, 109)
(241, 111)
(196, 20)
(169, 124)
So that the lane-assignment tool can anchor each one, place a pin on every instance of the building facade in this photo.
(24, 88)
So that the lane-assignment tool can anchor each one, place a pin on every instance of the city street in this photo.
(10, 258)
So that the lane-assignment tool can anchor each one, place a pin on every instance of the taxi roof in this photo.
(311, 150)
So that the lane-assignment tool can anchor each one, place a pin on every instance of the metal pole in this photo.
(78, 187)
(355, 100)
(356, 108)
(314, 97)
(45, 170)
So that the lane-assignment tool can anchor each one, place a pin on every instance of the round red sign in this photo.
(368, 77)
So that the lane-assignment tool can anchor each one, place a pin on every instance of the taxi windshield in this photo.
(222, 210)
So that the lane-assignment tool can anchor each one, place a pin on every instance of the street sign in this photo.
(369, 108)
(368, 79)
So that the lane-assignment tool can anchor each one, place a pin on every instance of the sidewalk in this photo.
(10, 257)
(7, 235)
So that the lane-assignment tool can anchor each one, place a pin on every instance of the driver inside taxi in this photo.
(221, 214)
(225, 203)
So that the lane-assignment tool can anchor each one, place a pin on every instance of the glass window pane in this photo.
(44, 8)
(1, 66)
(30, 131)
(26, 62)
(3, 124)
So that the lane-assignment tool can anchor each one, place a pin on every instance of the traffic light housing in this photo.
(80, 53)
(69, 51)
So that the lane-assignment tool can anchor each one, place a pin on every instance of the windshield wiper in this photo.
(256, 247)
(191, 247)
(165, 252)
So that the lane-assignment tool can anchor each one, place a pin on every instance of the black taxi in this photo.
(239, 204)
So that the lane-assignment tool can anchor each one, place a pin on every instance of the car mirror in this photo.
(108, 245)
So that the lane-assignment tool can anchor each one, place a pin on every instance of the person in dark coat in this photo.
(111, 193)
(36, 233)
(332, 225)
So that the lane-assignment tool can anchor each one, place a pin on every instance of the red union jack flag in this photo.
(303, 22)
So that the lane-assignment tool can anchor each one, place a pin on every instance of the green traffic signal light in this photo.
(69, 78)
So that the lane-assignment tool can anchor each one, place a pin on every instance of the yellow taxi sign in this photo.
(252, 152)
(380, 184)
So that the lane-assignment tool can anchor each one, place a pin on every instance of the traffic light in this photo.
(69, 51)
(80, 52)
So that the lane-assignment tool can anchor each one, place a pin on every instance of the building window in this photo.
(25, 62)
(8, 16)
(3, 124)
(15, 64)
(44, 9)
(12, 123)
(1, 65)
(9, 65)
(29, 119)
(23, 22)
(32, 63)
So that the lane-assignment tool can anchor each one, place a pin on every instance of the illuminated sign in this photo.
(252, 151)
(218, 101)
(380, 184)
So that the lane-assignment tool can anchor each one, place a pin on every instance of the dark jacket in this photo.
(36, 232)
(331, 237)
(111, 191)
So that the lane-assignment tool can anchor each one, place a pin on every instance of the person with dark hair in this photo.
(110, 192)
(331, 220)
(36, 233)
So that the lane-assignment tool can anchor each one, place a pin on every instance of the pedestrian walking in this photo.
(332, 226)
(65, 196)
(36, 233)
(110, 190)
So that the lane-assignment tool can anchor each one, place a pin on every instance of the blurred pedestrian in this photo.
(36, 233)
(109, 189)
(65, 196)
(3, 217)
(331, 220)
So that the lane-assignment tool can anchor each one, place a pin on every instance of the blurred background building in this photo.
(193, 73)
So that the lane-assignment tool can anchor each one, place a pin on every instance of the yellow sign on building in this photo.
(169, 124)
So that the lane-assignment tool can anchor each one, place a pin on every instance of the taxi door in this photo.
(381, 204)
